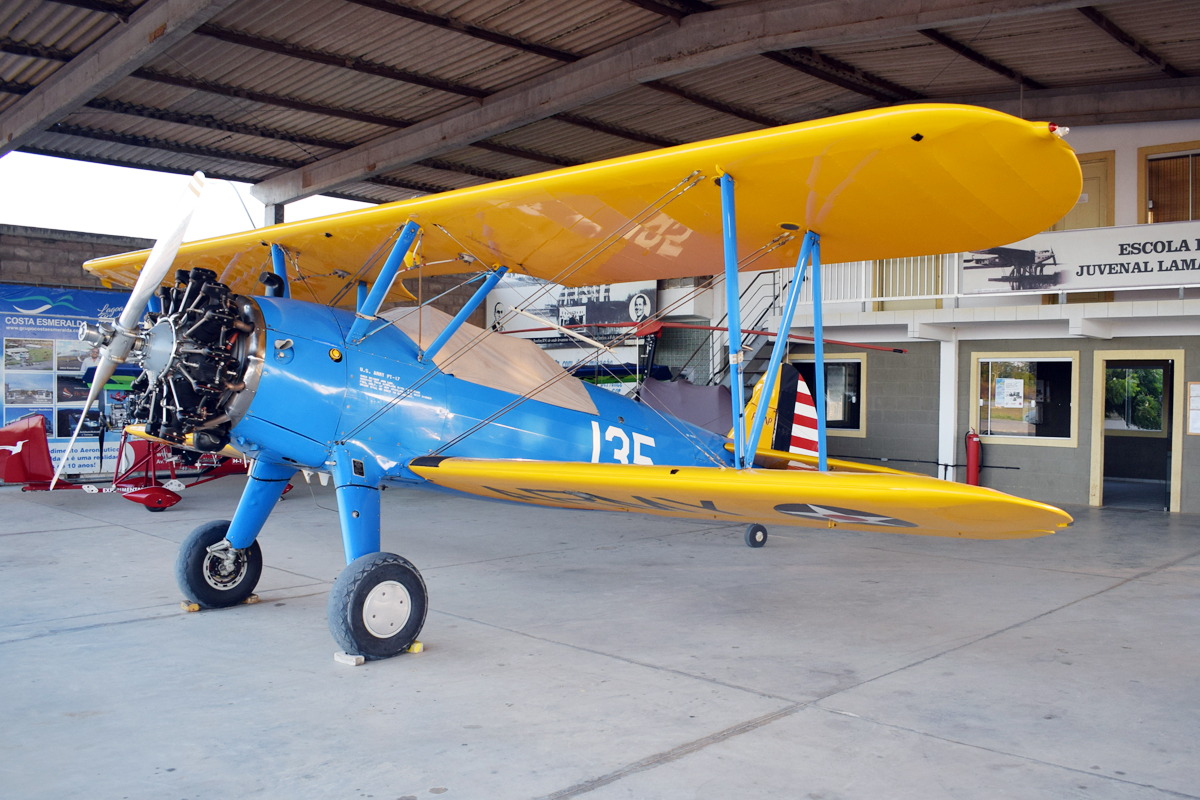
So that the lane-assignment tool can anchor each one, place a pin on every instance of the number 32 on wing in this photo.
(619, 441)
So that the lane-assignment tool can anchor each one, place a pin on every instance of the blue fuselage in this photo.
(310, 408)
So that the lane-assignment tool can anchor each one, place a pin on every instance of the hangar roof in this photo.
(384, 99)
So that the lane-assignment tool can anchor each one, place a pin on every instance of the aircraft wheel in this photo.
(756, 535)
(214, 577)
(377, 606)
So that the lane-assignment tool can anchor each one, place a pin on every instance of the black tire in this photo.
(348, 617)
(756, 535)
(155, 508)
(222, 587)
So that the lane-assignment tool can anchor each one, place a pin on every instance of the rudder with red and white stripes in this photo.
(796, 415)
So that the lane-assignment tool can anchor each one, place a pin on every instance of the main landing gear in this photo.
(211, 572)
(377, 606)
(378, 603)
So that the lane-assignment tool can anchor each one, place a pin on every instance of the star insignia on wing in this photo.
(845, 516)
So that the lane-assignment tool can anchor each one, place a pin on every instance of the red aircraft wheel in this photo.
(154, 498)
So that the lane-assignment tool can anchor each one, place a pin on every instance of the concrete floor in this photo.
(614, 656)
(1144, 495)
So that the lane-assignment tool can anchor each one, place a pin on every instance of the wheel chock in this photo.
(251, 600)
(349, 660)
(415, 647)
(186, 606)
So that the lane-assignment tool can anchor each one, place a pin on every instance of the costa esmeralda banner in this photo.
(44, 365)
(1131, 257)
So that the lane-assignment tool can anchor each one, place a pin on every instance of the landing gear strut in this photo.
(211, 572)
(377, 606)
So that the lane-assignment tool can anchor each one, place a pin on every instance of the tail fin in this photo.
(791, 424)
(24, 451)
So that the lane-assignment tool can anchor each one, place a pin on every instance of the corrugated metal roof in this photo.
(570, 141)
(1060, 48)
(156, 124)
(53, 24)
(1170, 29)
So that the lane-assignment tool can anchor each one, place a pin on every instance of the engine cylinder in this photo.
(201, 359)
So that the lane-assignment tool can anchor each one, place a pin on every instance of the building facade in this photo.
(1083, 383)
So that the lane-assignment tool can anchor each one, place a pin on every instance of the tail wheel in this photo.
(213, 574)
(377, 606)
(756, 535)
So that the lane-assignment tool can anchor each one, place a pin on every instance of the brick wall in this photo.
(55, 258)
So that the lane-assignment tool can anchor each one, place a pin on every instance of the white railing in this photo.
(916, 278)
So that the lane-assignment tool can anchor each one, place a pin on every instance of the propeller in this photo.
(117, 342)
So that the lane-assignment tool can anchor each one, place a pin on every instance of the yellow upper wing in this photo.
(901, 181)
(895, 502)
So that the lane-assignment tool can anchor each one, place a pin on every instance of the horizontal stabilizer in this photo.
(25, 452)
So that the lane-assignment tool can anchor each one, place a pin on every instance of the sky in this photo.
(44, 192)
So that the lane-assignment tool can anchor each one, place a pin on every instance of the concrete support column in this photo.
(948, 433)
(273, 214)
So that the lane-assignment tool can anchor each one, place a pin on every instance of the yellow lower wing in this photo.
(893, 502)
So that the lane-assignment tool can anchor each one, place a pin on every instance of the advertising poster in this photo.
(44, 362)
(584, 305)
(1010, 392)
(1095, 259)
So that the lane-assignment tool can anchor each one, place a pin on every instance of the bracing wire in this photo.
(555, 379)
(654, 206)
(774, 244)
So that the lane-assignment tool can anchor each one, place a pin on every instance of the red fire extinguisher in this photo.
(973, 448)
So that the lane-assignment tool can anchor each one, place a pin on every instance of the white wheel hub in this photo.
(386, 609)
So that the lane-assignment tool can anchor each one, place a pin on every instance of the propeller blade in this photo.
(104, 371)
(162, 256)
(155, 269)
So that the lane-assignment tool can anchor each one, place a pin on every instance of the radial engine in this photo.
(201, 359)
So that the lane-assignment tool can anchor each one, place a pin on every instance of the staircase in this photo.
(759, 302)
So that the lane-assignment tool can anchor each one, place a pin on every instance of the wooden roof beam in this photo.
(616, 130)
(208, 173)
(979, 58)
(122, 11)
(803, 59)
(327, 58)
(839, 73)
(673, 9)
(458, 26)
(562, 55)
(700, 41)
(1134, 101)
(715, 105)
(1145, 53)
(151, 29)
(19, 48)
(169, 146)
